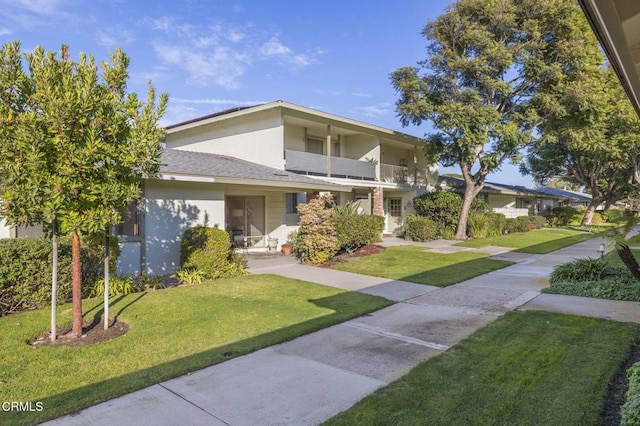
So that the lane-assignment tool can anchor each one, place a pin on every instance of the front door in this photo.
(394, 215)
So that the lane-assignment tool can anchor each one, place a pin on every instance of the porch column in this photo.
(328, 150)
(378, 201)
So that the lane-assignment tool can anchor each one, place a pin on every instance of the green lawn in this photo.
(418, 265)
(634, 241)
(538, 241)
(172, 332)
(526, 368)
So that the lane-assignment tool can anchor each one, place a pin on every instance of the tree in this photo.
(491, 72)
(74, 146)
(589, 137)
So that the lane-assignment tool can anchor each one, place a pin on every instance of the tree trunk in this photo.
(54, 282)
(76, 292)
(626, 256)
(106, 281)
(470, 193)
(588, 215)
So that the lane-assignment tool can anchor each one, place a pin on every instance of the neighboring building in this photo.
(511, 200)
(568, 198)
(245, 170)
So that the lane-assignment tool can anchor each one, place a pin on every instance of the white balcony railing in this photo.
(511, 212)
(394, 174)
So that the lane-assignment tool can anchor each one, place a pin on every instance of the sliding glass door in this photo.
(246, 219)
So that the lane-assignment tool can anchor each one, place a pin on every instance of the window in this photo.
(335, 149)
(130, 225)
(395, 207)
(315, 146)
(293, 199)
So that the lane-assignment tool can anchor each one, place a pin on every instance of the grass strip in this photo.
(539, 241)
(526, 368)
(172, 332)
(418, 265)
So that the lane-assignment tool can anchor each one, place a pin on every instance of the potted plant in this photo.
(286, 248)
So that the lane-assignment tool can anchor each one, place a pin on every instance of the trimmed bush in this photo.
(419, 228)
(26, 266)
(355, 231)
(208, 250)
(517, 224)
(630, 412)
(316, 241)
(538, 222)
(614, 216)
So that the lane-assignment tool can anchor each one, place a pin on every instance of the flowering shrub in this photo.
(316, 241)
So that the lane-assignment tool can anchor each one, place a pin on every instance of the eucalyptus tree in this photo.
(74, 145)
(492, 70)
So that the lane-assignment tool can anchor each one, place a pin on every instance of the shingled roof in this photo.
(219, 167)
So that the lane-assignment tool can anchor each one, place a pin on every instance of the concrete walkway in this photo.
(308, 380)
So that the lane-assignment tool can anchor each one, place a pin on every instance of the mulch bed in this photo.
(362, 251)
(92, 333)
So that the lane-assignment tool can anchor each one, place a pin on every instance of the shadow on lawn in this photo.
(456, 273)
(549, 246)
(86, 396)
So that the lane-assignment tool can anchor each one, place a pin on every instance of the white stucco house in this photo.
(245, 170)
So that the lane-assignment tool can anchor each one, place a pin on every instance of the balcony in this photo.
(394, 174)
(316, 164)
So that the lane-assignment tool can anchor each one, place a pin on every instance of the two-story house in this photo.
(245, 170)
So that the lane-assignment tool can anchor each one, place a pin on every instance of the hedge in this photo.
(26, 266)
(355, 231)
(418, 228)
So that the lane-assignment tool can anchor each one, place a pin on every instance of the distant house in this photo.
(245, 170)
(568, 198)
(511, 200)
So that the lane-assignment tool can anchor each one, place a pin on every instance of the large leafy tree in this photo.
(74, 145)
(493, 69)
(592, 137)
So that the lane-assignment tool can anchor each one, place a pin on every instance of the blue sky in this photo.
(334, 56)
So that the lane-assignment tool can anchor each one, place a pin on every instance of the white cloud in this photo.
(273, 48)
(376, 110)
(39, 7)
(360, 95)
(220, 65)
(113, 37)
(5, 31)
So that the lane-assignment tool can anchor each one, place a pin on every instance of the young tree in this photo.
(74, 145)
(491, 73)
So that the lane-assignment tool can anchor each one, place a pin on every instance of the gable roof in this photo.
(572, 195)
(298, 112)
(177, 164)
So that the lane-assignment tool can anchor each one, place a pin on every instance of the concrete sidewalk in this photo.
(308, 380)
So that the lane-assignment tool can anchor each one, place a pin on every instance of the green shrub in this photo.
(630, 412)
(620, 287)
(561, 216)
(419, 228)
(517, 224)
(615, 216)
(118, 285)
(316, 241)
(478, 225)
(188, 276)
(497, 224)
(442, 207)
(26, 266)
(208, 250)
(483, 225)
(355, 231)
(584, 270)
(538, 222)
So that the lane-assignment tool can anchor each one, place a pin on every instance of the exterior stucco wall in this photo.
(5, 231)
(255, 137)
(170, 209)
